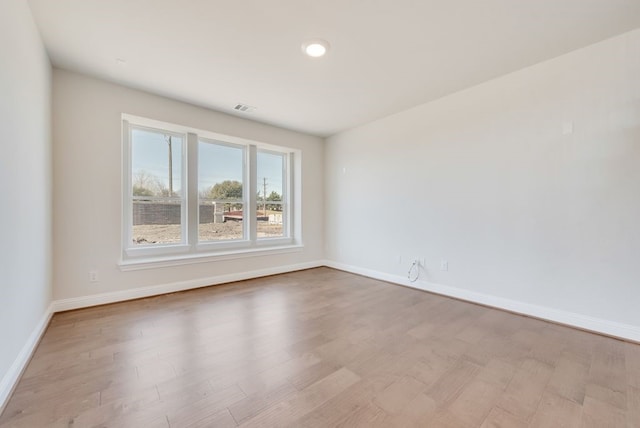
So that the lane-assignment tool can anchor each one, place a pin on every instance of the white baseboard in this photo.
(584, 322)
(11, 377)
(154, 290)
(609, 328)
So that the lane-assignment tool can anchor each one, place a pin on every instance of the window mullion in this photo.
(252, 204)
(192, 190)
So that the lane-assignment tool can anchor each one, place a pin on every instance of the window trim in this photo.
(192, 258)
(190, 250)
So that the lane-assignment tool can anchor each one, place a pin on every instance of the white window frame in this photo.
(190, 250)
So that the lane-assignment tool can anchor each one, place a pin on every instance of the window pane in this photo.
(220, 187)
(156, 187)
(270, 215)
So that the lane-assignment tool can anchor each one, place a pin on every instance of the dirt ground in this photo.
(170, 234)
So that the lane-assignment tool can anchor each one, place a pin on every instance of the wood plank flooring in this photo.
(321, 348)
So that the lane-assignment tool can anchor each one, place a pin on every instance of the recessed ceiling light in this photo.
(315, 48)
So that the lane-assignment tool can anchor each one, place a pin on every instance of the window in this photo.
(271, 174)
(156, 197)
(220, 190)
(191, 194)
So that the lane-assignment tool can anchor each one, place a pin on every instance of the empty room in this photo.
(320, 214)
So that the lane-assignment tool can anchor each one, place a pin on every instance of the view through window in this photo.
(156, 187)
(271, 176)
(227, 177)
(220, 190)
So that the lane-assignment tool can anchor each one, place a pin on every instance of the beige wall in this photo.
(87, 185)
(25, 180)
(487, 179)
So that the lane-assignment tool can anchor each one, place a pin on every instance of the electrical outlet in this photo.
(93, 276)
(444, 265)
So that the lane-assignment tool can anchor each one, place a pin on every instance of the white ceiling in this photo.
(386, 55)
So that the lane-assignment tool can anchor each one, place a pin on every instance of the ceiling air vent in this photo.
(244, 108)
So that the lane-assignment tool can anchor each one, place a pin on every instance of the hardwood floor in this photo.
(321, 348)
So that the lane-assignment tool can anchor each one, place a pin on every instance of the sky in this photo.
(216, 162)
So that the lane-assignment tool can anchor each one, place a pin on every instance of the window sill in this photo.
(187, 259)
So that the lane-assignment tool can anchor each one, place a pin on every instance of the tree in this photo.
(227, 190)
(147, 184)
(275, 197)
(141, 191)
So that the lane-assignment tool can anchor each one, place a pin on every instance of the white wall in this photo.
(87, 185)
(487, 180)
(25, 183)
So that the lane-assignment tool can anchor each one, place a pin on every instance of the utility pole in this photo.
(264, 196)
